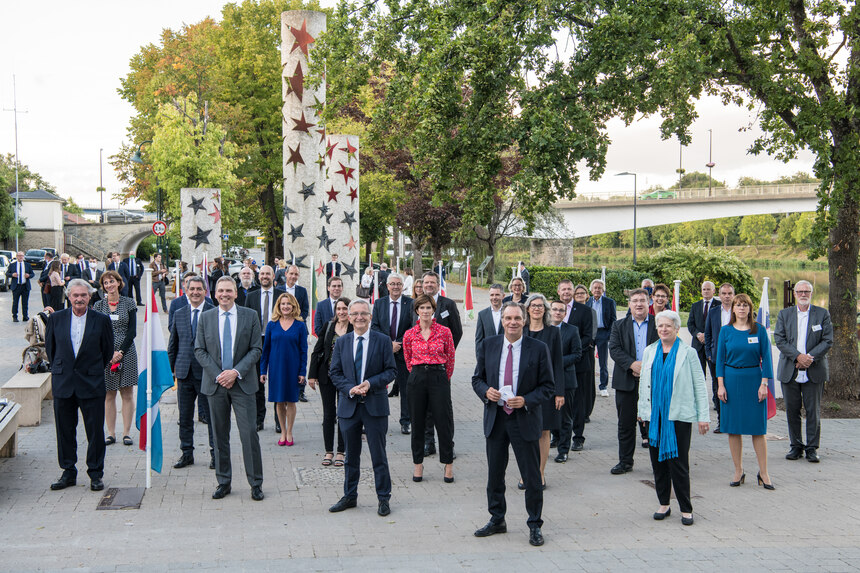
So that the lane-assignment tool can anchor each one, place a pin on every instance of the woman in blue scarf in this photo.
(672, 396)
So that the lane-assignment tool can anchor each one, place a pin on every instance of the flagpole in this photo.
(676, 303)
(177, 286)
(149, 368)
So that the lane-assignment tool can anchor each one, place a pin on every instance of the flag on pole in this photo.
(676, 296)
(763, 319)
(467, 296)
(603, 276)
(153, 368)
(204, 272)
(178, 286)
(374, 295)
(441, 280)
(314, 297)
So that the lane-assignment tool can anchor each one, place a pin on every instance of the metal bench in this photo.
(28, 390)
(9, 430)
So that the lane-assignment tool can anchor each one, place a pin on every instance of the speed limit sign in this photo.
(159, 228)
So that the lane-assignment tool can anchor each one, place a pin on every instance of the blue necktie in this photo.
(227, 345)
(194, 324)
(359, 357)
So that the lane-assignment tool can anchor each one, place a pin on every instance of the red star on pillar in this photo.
(320, 269)
(302, 38)
(350, 150)
(329, 148)
(346, 172)
(216, 195)
(321, 132)
(353, 194)
(296, 82)
(351, 244)
(332, 194)
(302, 124)
(216, 215)
(296, 156)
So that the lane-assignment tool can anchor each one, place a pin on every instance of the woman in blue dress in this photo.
(743, 367)
(284, 361)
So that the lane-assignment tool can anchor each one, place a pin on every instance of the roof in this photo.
(38, 195)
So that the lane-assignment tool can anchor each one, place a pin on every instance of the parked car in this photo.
(4, 265)
(233, 267)
(121, 216)
(51, 250)
(36, 258)
(9, 254)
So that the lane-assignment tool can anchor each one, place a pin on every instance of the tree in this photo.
(72, 207)
(28, 180)
(427, 224)
(380, 195)
(785, 229)
(725, 227)
(756, 228)
(803, 229)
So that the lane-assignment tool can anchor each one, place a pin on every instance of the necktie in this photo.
(393, 330)
(706, 309)
(266, 312)
(359, 357)
(20, 272)
(227, 345)
(509, 373)
(194, 323)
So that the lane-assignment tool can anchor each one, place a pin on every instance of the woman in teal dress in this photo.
(284, 361)
(743, 367)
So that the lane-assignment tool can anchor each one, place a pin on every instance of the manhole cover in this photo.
(122, 498)
(309, 477)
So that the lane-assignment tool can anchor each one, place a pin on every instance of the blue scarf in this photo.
(661, 433)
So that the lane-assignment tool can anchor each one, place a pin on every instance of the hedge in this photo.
(545, 280)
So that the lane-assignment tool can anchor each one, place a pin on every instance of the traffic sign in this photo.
(159, 228)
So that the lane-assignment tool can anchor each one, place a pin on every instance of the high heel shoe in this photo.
(447, 479)
(739, 482)
(416, 478)
(765, 485)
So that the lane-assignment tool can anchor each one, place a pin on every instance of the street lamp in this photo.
(159, 206)
(710, 164)
(634, 210)
(101, 190)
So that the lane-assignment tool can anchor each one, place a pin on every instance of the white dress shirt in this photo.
(497, 319)
(234, 319)
(263, 312)
(517, 350)
(802, 326)
(567, 313)
(725, 316)
(364, 352)
(79, 324)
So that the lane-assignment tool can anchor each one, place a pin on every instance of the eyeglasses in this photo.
(359, 314)
(803, 292)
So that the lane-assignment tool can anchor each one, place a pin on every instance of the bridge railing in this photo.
(783, 190)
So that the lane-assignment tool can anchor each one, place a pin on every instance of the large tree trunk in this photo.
(417, 254)
(842, 257)
(491, 266)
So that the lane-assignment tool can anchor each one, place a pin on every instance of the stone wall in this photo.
(551, 252)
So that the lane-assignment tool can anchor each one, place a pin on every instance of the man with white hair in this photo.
(606, 317)
(696, 323)
(804, 335)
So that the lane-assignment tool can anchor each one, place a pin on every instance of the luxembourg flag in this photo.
(763, 319)
(441, 280)
(153, 359)
(467, 296)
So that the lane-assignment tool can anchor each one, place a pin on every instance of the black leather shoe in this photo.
(384, 508)
(302, 397)
(211, 463)
(588, 419)
(687, 520)
(535, 537)
(561, 458)
(26, 318)
(661, 516)
(577, 446)
(64, 482)
(717, 430)
(277, 427)
(97, 484)
(621, 468)
(343, 504)
(184, 461)
(257, 493)
(492, 529)
(14, 319)
(429, 449)
(222, 491)
(794, 454)
(404, 429)
(812, 456)
(202, 420)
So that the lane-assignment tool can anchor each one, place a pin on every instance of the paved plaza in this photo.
(594, 521)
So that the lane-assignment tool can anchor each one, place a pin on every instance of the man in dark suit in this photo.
(362, 365)
(291, 279)
(227, 346)
(262, 301)
(325, 308)
(123, 270)
(571, 351)
(92, 275)
(804, 335)
(43, 278)
(188, 372)
(67, 271)
(523, 273)
(18, 277)
(79, 346)
(182, 301)
(81, 267)
(135, 271)
(513, 378)
(606, 317)
(630, 336)
(696, 326)
(392, 316)
(490, 319)
(580, 316)
(332, 268)
(245, 285)
(446, 315)
(383, 279)
(718, 317)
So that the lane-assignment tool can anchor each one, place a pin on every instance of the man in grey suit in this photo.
(490, 319)
(804, 335)
(228, 347)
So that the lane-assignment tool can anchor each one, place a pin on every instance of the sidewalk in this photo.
(594, 521)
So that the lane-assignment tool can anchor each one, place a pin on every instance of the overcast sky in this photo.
(68, 58)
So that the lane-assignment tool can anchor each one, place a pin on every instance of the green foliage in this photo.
(28, 180)
(380, 195)
(73, 207)
(755, 229)
(545, 280)
(694, 264)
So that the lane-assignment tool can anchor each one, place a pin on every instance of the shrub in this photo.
(545, 280)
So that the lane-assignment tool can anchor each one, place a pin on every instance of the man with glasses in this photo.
(804, 335)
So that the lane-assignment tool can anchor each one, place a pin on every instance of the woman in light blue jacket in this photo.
(672, 396)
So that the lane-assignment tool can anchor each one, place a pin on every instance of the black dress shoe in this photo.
(687, 520)
(535, 537)
(26, 318)
(588, 419)
(14, 319)
(302, 397)
(661, 516)
(620, 468)
(561, 458)
(717, 430)
(257, 493)
(222, 491)
(260, 427)
(577, 446)
(342, 504)
(384, 509)
(212, 463)
(492, 529)
(64, 482)
(429, 449)
(185, 460)
(202, 420)
(812, 456)
(404, 429)
(97, 484)
(277, 427)
(794, 454)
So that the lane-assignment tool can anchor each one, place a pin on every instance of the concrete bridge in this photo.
(608, 212)
(97, 239)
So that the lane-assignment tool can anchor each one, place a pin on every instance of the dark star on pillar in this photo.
(321, 132)
(197, 205)
(349, 219)
(330, 148)
(307, 190)
(201, 237)
(346, 171)
(288, 211)
(296, 232)
(299, 260)
(350, 150)
(325, 242)
(349, 269)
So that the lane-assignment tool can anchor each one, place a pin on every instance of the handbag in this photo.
(362, 292)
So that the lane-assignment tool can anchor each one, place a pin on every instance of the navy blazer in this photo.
(82, 375)
(381, 321)
(178, 303)
(486, 327)
(610, 312)
(20, 284)
(180, 346)
(696, 321)
(302, 298)
(379, 370)
(323, 315)
(571, 351)
(622, 349)
(712, 330)
(135, 271)
(123, 272)
(582, 318)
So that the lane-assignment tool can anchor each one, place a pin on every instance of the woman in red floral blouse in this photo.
(428, 349)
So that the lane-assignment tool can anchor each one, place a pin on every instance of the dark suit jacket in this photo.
(712, 331)
(82, 376)
(247, 348)
(254, 301)
(582, 318)
(337, 268)
(123, 272)
(381, 321)
(323, 315)
(135, 271)
(94, 282)
(451, 319)
(68, 273)
(383, 283)
(20, 284)
(571, 351)
(607, 306)
(78, 271)
(696, 321)
(818, 343)
(181, 301)
(180, 346)
(322, 352)
(622, 349)
(302, 298)
(379, 370)
(486, 327)
(242, 294)
(535, 383)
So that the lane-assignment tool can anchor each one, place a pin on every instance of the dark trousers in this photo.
(135, 285)
(403, 388)
(188, 392)
(715, 386)
(56, 299)
(260, 399)
(430, 393)
(581, 402)
(567, 413)
(66, 419)
(159, 286)
(809, 394)
(589, 390)
(505, 432)
(220, 404)
(46, 296)
(601, 341)
(329, 403)
(626, 404)
(674, 473)
(375, 428)
(24, 296)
